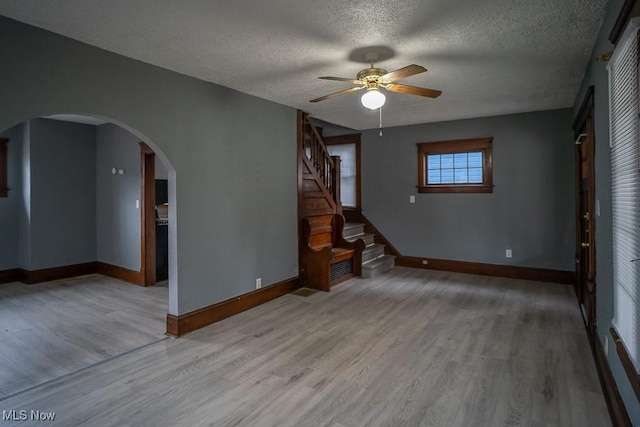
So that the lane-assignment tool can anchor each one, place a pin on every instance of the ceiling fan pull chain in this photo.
(380, 121)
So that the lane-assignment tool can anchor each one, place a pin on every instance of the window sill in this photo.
(443, 188)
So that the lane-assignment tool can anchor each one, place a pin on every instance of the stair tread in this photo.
(352, 225)
(378, 261)
(358, 236)
(352, 229)
(373, 247)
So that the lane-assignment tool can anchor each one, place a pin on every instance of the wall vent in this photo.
(341, 268)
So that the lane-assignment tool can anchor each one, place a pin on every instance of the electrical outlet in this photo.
(412, 199)
(425, 261)
(258, 282)
(508, 253)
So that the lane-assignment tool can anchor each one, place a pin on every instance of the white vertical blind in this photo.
(625, 169)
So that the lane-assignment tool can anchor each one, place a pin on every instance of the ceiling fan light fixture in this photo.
(373, 99)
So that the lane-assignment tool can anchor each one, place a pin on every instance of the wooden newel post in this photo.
(335, 182)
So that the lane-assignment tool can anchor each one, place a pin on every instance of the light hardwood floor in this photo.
(410, 347)
(51, 329)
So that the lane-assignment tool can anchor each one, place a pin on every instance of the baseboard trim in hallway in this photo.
(178, 325)
(84, 368)
(121, 273)
(7, 276)
(31, 277)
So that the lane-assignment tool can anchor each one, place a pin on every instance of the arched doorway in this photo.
(67, 175)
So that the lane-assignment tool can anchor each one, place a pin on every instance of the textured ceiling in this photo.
(488, 57)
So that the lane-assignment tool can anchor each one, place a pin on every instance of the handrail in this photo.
(317, 153)
(319, 138)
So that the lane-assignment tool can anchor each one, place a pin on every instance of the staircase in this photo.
(374, 260)
(330, 250)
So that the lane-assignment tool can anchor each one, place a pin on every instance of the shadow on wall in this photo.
(76, 201)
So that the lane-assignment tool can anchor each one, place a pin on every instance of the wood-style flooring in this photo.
(407, 348)
(54, 328)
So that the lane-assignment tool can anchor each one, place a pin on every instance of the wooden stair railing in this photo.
(326, 254)
(326, 166)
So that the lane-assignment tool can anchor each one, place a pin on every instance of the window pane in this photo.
(447, 175)
(455, 166)
(461, 176)
(475, 175)
(446, 161)
(460, 160)
(475, 160)
(433, 161)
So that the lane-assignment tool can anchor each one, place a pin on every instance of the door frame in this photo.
(148, 215)
(584, 130)
(352, 138)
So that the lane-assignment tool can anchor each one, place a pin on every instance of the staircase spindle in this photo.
(322, 161)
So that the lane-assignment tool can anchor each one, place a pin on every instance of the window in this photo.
(3, 167)
(625, 192)
(459, 166)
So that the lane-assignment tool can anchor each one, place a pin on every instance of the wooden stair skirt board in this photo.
(374, 260)
(496, 270)
(356, 216)
(178, 325)
(31, 277)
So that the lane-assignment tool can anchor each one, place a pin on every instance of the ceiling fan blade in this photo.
(342, 92)
(341, 79)
(413, 90)
(402, 73)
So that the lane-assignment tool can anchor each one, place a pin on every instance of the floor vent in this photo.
(342, 268)
(304, 292)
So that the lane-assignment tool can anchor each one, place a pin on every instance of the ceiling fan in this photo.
(373, 79)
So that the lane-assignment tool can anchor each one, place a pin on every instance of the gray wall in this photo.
(161, 169)
(117, 216)
(232, 156)
(74, 209)
(63, 202)
(10, 205)
(530, 210)
(596, 75)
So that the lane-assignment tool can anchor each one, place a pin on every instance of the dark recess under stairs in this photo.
(374, 260)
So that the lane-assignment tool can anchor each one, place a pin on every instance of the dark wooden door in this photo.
(585, 225)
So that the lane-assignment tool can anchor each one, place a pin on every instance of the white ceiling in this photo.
(488, 57)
